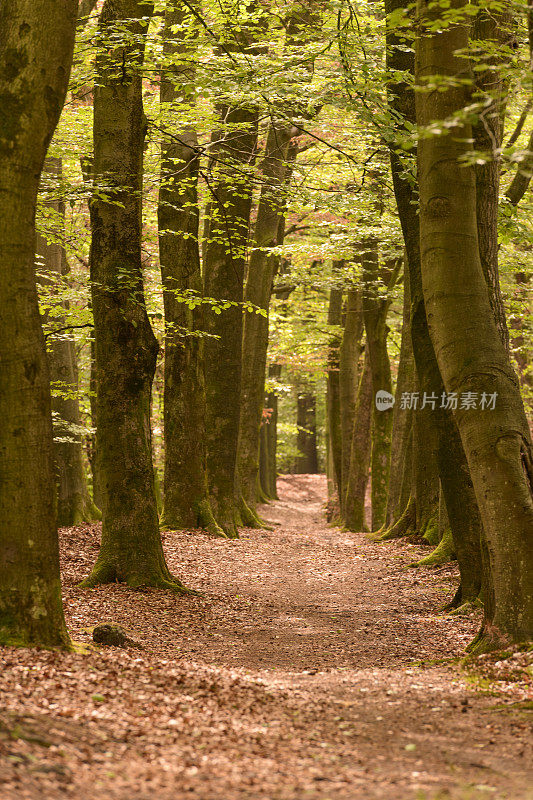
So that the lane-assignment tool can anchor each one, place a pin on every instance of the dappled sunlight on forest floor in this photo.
(314, 665)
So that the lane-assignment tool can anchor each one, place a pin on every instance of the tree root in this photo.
(250, 519)
(442, 554)
(107, 573)
(489, 638)
(403, 527)
(465, 609)
(430, 530)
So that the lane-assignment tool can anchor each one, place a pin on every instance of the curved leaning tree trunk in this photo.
(74, 503)
(36, 45)
(126, 348)
(186, 497)
(468, 347)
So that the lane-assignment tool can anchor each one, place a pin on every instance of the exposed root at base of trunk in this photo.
(249, 519)
(405, 526)
(105, 573)
(442, 554)
(489, 638)
(465, 609)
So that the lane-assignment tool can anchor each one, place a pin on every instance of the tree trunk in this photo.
(126, 348)
(36, 45)
(354, 504)
(375, 309)
(333, 397)
(492, 28)
(186, 496)
(467, 343)
(74, 504)
(401, 442)
(274, 173)
(225, 257)
(349, 357)
(307, 462)
(432, 429)
(270, 438)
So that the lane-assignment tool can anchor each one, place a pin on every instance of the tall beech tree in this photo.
(126, 348)
(186, 496)
(36, 46)
(436, 447)
(225, 249)
(275, 173)
(468, 346)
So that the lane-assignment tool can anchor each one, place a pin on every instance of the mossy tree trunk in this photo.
(468, 346)
(74, 503)
(186, 496)
(355, 492)
(349, 358)
(36, 45)
(126, 348)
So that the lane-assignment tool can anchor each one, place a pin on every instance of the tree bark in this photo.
(225, 248)
(468, 347)
(432, 429)
(186, 496)
(126, 348)
(354, 504)
(349, 357)
(269, 437)
(493, 28)
(401, 442)
(274, 173)
(375, 308)
(36, 45)
(333, 398)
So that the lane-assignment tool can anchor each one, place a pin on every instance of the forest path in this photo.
(306, 671)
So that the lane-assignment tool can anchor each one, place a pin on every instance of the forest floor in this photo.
(314, 666)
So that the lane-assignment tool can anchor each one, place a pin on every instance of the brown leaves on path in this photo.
(314, 665)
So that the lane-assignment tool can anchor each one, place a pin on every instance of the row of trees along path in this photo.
(206, 210)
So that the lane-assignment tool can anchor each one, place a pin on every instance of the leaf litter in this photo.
(314, 665)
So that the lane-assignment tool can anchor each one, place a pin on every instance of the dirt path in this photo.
(313, 666)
